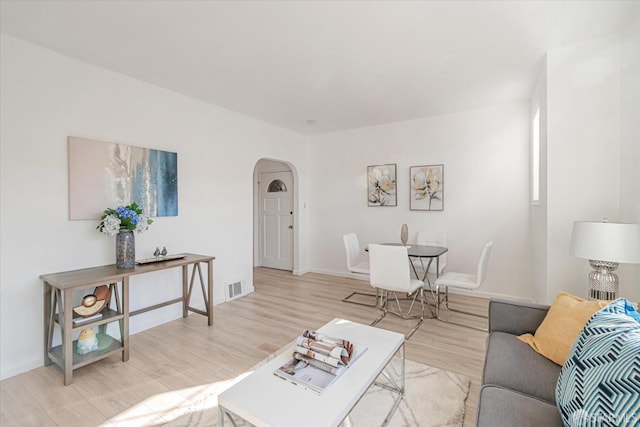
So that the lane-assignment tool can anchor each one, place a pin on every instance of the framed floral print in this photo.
(381, 185)
(427, 188)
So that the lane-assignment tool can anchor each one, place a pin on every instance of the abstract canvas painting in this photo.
(106, 174)
(382, 185)
(427, 188)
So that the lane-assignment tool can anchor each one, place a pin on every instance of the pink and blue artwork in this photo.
(106, 174)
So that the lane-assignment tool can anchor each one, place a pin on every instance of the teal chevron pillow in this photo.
(599, 384)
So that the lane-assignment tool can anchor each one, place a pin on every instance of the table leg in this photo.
(220, 416)
(67, 339)
(393, 386)
(48, 322)
(125, 318)
(224, 413)
(425, 278)
(402, 380)
(185, 303)
(210, 291)
(414, 268)
(116, 293)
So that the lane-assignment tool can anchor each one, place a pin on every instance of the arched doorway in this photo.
(275, 228)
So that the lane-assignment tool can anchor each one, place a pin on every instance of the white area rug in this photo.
(433, 397)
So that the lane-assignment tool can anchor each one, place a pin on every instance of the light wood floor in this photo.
(173, 366)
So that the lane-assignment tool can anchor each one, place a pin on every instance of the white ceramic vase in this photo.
(404, 234)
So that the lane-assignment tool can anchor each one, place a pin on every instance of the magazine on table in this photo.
(318, 360)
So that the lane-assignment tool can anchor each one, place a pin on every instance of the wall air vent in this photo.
(235, 289)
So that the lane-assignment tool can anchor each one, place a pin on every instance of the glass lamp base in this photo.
(603, 282)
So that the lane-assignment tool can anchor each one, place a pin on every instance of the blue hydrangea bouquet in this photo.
(128, 217)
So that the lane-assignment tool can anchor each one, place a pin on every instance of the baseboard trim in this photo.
(481, 294)
(489, 295)
(21, 369)
(346, 274)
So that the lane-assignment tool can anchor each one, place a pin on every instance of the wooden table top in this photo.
(109, 273)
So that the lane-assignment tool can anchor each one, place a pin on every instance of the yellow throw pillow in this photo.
(566, 317)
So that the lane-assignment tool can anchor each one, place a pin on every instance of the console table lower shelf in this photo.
(58, 307)
(80, 360)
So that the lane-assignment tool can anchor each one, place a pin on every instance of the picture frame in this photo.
(382, 185)
(103, 174)
(426, 188)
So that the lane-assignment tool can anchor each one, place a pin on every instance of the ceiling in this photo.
(342, 64)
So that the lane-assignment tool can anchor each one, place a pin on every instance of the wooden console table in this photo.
(58, 307)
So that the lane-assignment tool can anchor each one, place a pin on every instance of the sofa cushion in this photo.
(513, 364)
(515, 317)
(566, 317)
(599, 383)
(503, 407)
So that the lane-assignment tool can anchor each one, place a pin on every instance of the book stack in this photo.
(80, 320)
(318, 360)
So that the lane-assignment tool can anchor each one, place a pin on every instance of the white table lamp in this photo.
(605, 245)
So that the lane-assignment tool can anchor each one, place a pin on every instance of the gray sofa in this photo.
(518, 384)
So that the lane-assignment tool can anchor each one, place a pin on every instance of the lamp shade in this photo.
(606, 241)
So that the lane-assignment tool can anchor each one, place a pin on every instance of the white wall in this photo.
(583, 97)
(45, 97)
(485, 154)
(630, 146)
(539, 210)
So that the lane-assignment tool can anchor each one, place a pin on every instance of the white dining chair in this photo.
(468, 282)
(359, 266)
(390, 274)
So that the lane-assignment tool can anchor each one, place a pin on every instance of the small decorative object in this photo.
(156, 253)
(86, 311)
(121, 222)
(87, 341)
(427, 188)
(404, 234)
(94, 303)
(89, 300)
(382, 185)
(164, 251)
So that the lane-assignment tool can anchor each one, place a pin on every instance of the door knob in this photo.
(291, 227)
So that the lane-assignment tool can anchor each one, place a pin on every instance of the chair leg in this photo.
(417, 326)
(384, 306)
(445, 299)
(375, 304)
(427, 303)
(407, 315)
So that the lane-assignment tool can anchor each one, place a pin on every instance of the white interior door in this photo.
(276, 220)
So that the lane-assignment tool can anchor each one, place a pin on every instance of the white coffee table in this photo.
(263, 399)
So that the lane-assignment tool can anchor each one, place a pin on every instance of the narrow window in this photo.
(535, 157)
